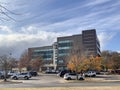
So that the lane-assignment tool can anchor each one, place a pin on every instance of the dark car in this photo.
(33, 73)
(51, 72)
(1, 76)
(115, 71)
(63, 72)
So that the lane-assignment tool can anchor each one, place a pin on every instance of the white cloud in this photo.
(5, 29)
(33, 36)
(44, 26)
(105, 38)
(96, 2)
(16, 43)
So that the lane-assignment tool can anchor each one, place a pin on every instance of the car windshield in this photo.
(23, 73)
(72, 74)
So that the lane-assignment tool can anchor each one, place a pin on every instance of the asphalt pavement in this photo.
(52, 80)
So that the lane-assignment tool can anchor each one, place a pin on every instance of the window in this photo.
(64, 44)
(60, 61)
(73, 74)
(65, 41)
(47, 59)
(63, 54)
(64, 47)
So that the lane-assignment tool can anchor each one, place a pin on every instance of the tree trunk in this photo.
(77, 76)
(5, 75)
(5, 69)
(5, 79)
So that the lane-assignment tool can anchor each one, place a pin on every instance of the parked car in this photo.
(51, 71)
(25, 76)
(115, 71)
(33, 73)
(73, 76)
(63, 72)
(90, 74)
(1, 76)
(10, 73)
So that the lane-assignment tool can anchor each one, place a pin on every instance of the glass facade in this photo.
(63, 47)
(46, 54)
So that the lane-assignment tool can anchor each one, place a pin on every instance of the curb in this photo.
(9, 82)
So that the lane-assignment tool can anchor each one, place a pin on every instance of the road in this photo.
(48, 80)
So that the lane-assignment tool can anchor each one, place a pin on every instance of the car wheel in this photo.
(2, 77)
(68, 78)
(81, 78)
(15, 78)
(94, 75)
(26, 78)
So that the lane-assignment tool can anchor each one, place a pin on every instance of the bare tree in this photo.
(111, 60)
(115, 61)
(4, 61)
(24, 61)
(36, 63)
(106, 60)
(13, 63)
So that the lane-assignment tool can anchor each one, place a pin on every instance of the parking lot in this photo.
(52, 80)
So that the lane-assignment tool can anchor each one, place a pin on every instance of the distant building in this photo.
(47, 54)
(55, 56)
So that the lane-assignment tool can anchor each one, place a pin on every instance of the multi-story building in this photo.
(65, 46)
(56, 56)
(86, 44)
(47, 54)
(91, 43)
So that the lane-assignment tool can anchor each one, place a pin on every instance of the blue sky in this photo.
(39, 22)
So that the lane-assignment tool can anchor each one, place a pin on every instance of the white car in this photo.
(10, 73)
(90, 74)
(73, 76)
(25, 76)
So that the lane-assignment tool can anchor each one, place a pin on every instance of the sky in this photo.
(39, 22)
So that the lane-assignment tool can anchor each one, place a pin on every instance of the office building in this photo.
(47, 54)
(56, 55)
(85, 44)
